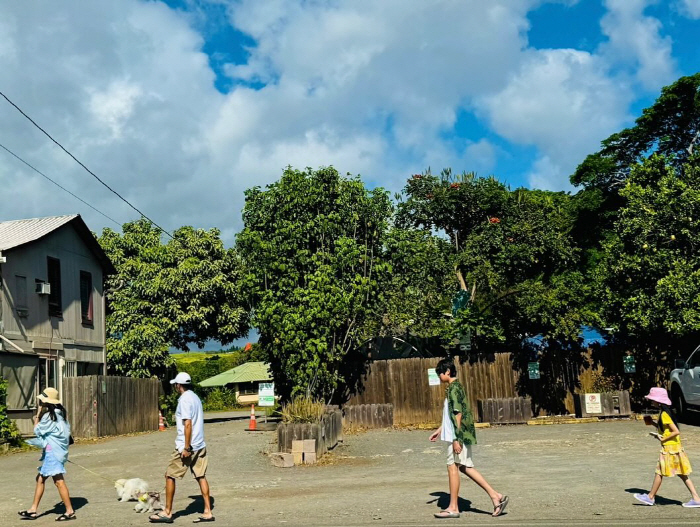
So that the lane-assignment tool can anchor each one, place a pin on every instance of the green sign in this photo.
(533, 370)
(459, 302)
(465, 342)
(266, 394)
(630, 366)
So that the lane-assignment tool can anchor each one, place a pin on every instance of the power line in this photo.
(82, 165)
(59, 186)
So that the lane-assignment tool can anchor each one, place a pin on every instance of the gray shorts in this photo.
(463, 458)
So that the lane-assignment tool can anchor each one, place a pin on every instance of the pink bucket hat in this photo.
(659, 395)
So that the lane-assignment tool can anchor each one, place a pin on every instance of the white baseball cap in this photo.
(182, 378)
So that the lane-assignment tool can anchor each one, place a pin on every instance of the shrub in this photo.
(302, 409)
(219, 399)
(8, 430)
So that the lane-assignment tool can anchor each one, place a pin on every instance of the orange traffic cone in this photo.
(161, 422)
(253, 423)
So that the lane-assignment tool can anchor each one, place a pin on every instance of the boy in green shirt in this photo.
(459, 431)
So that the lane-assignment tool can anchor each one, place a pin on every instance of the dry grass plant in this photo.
(302, 409)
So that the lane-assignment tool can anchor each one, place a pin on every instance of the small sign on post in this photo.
(533, 370)
(266, 394)
(593, 403)
(433, 377)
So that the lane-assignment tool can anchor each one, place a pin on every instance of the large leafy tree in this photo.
(168, 295)
(514, 259)
(670, 127)
(313, 243)
(650, 274)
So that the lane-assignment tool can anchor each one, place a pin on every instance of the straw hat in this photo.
(50, 396)
(659, 395)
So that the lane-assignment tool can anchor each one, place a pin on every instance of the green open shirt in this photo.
(457, 403)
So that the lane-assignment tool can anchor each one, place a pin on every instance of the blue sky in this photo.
(181, 105)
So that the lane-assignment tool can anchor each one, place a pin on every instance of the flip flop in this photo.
(202, 519)
(26, 515)
(501, 506)
(446, 514)
(159, 518)
(66, 517)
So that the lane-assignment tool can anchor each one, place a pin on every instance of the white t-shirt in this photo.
(448, 431)
(190, 407)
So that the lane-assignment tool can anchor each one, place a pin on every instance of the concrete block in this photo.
(297, 445)
(298, 457)
(309, 446)
(282, 459)
(309, 458)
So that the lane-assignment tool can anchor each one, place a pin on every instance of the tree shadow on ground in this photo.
(196, 506)
(442, 500)
(660, 500)
(60, 508)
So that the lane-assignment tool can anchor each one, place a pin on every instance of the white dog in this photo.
(130, 489)
(148, 502)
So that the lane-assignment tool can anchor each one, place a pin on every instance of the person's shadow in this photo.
(442, 500)
(196, 506)
(60, 508)
(658, 499)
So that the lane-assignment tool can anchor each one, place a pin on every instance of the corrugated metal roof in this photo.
(248, 372)
(18, 232)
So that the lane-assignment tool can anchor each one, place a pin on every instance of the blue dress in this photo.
(53, 438)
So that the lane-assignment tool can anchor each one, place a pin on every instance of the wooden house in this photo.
(52, 309)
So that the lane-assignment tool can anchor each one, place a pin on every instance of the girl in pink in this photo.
(673, 461)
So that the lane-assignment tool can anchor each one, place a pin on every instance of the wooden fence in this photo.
(404, 384)
(368, 415)
(327, 433)
(102, 406)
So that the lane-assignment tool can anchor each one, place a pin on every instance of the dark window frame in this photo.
(53, 274)
(87, 302)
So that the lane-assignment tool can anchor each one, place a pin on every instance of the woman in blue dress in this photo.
(52, 433)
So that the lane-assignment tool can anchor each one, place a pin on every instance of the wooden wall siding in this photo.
(404, 384)
(102, 406)
(368, 415)
(510, 410)
(327, 433)
(30, 261)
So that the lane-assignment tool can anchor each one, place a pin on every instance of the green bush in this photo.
(218, 399)
(8, 429)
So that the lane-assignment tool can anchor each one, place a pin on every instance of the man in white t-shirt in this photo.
(190, 450)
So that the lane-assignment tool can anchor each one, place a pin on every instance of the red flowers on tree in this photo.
(494, 220)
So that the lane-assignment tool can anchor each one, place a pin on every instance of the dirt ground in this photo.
(582, 474)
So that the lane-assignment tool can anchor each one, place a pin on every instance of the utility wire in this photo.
(59, 186)
(82, 165)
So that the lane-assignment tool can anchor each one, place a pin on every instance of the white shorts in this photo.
(463, 458)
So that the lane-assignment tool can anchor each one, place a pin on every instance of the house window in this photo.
(54, 274)
(248, 388)
(70, 369)
(86, 297)
(21, 295)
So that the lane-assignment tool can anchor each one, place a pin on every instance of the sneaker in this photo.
(645, 499)
(692, 504)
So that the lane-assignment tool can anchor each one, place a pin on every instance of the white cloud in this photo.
(563, 102)
(635, 39)
(690, 8)
(369, 87)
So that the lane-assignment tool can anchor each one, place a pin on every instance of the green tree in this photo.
(312, 243)
(670, 127)
(168, 295)
(512, 252)
(650, 275)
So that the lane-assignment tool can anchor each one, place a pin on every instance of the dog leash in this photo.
(96, 474)
(91, 472)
